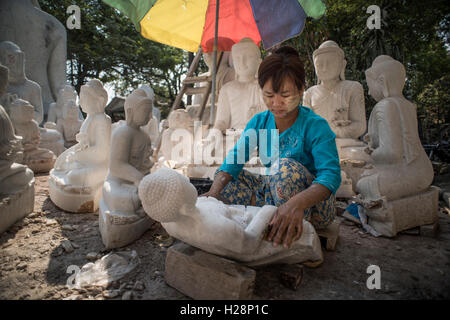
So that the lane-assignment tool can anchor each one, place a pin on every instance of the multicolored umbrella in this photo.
(187, 24)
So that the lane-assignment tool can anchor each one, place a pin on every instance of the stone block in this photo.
(430, 230)
(331, 234)
(17, 206)
(201, 275)
(118, 229)
(405, 213)
(291, 275)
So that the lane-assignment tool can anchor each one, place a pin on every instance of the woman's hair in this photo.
(282, 64)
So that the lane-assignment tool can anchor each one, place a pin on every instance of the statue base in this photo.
(405, 213)
(74, 202)
(118, 229)
(16, 206)
(41, 166)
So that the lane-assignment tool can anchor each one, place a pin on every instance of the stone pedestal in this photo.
(204, 276)
(406, 213)
(16, 206)
(118, 229)
(82, 201)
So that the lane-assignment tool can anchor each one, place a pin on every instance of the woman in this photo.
(308, 170)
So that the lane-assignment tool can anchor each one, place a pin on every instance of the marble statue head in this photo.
(8, 140)
(179, 118)
(14, 59)
(66, 93)
(71, 110)
(246, 58)
(138, 108)
(3, 79)
(329, 61)
(385, 78)
(165, 194)
(93, 97)
(21, 111)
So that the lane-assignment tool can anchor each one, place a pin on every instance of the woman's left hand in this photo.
(286, 224)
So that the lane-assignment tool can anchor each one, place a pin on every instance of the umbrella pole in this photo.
(213, 93)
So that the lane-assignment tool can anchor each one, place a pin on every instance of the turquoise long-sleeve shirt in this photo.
(309, 140)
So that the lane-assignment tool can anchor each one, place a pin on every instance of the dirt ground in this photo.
(33, 262)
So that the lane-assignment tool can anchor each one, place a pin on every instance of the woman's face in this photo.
(283, 102)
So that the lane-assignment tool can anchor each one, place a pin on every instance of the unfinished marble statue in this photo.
(179, 122)
(51, 138)
(234, 232)
(341, 103)
(224, 74)
(14, 59)
(56, 109)
(241, 99)
(16, 180)
(69, 124)
(43, 39)
(400, 179)
(122, 219)
(77, 179)
(37, 159)
(30, 91)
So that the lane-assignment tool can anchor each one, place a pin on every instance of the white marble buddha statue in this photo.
(79, 173)
(235, 232)
(178, 135)
(122, 219)
(43, 38)
(56, 109)
(339, 101)
(69, 124)
(13, 176)
(241, 99)
(14, 59)
(36, 158)
(29, 91)
(16, 180)
(400, 164)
